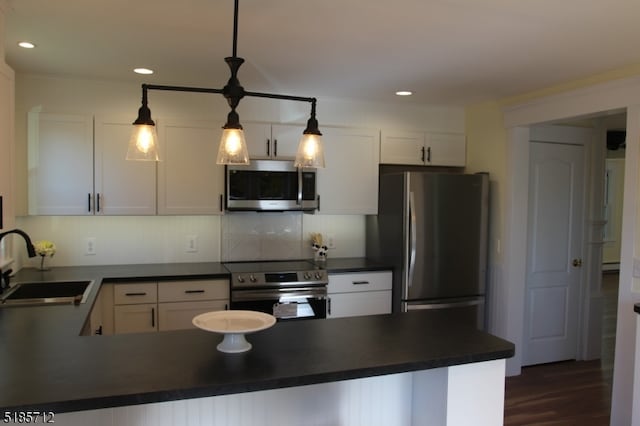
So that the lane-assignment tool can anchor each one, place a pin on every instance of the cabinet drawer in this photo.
(128, 294)
(185, 291)
(366, 281)
(178, 315)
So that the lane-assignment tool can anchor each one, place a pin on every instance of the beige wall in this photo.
(611, 91)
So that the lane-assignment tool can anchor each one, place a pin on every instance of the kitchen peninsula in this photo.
(415, 368)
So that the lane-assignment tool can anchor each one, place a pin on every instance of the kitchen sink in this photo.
(47, 293)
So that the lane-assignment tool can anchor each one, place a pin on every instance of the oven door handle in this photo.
(296, 292)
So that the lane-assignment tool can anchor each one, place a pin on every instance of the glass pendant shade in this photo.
(143, 144)
(233, 148)
(310, 151)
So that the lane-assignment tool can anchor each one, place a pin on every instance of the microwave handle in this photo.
(299, 199)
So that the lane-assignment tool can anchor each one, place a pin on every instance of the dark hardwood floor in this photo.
(570, 392)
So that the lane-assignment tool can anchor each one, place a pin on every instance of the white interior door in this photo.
(556, 190)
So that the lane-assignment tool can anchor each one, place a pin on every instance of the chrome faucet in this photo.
(4, 276)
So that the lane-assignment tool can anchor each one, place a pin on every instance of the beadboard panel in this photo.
(383, 400)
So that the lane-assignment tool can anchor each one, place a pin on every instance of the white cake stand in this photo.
(234, 325)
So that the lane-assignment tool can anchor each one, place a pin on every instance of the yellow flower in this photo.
(45, 248)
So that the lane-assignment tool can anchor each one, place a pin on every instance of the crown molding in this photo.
(602, 97)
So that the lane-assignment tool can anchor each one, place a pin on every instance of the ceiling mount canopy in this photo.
(233, 148)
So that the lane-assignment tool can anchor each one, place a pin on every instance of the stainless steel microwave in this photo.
(270, 185)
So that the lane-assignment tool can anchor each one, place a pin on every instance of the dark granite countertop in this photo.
(636, 307)
(46, 365)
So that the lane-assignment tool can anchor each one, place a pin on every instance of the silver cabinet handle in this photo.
(328, 306)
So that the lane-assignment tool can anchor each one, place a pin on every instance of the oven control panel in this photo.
(279, 279)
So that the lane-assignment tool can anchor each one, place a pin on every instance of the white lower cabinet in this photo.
(180, 301)
(150, 306)
(361, 293)
(178, 315)
(135, 308)
(139, 318)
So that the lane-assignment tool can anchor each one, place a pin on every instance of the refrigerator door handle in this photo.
(444, 305)
(413, 236)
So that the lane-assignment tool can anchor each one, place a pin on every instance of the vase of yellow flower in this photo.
(44, 249)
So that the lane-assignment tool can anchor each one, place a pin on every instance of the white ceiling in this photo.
(452, 52)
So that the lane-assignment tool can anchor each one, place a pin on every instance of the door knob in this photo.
(577, 262)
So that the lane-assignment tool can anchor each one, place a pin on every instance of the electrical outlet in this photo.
(191, 244)
(90, 246)
(331, 243)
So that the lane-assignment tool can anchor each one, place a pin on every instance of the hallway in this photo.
(570, 392)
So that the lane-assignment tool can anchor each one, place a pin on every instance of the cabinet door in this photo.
(258, 138)
(6, 147)
(349, 183)
(446, 149)
(286, 138)
(60, 163)
(179, 315)
(402, 148)
(122, 187)
(135, 318)
(189, 180)
(362, 303)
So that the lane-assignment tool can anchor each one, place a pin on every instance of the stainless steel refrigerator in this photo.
(433, 228)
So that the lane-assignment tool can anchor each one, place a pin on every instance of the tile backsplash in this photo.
(262, 236)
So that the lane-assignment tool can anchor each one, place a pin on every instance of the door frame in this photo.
(516, 243)
(596, 99)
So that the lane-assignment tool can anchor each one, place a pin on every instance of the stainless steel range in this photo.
(286, 289)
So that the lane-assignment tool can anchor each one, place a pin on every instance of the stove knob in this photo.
(318, 275)
(307, 276)
(240, 279)
(252, 278)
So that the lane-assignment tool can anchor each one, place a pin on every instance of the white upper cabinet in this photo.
(349, 183)
(272, 141)
(189, 180)
(73, 173)
(60, 164)
(446, 149)
(402, 148)
(423, 148)
(122, 187)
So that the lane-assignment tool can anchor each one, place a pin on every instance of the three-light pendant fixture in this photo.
(143, 144)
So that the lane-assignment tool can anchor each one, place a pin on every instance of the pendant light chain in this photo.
(233, 149)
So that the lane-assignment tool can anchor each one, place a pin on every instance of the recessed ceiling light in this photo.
(26, 44)
(145, 71)
(404, 93)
